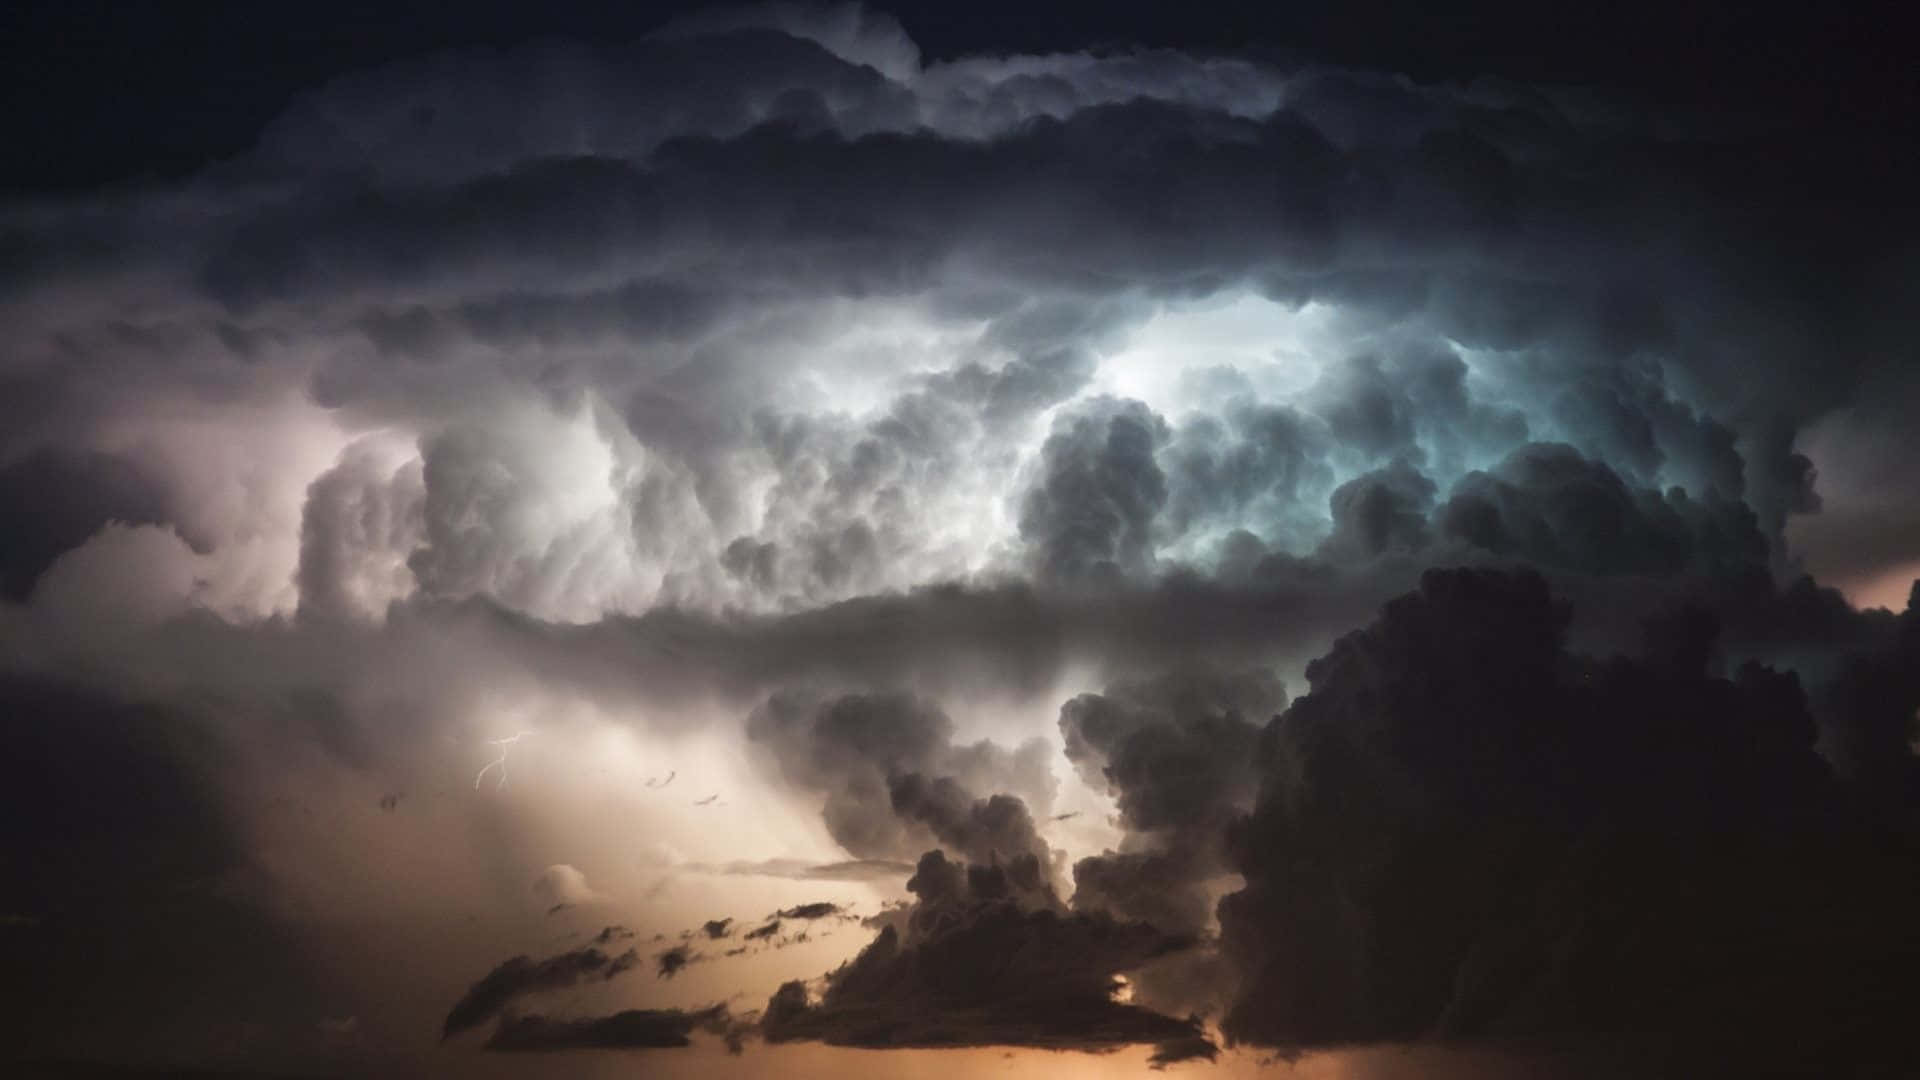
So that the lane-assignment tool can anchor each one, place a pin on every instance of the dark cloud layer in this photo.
(633, 1029)
(522, 975)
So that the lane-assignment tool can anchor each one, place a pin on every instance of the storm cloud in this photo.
(947, 462)
(984, 958)
(1503, 834)
(521, 975)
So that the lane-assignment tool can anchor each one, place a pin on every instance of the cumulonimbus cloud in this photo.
(769, 370)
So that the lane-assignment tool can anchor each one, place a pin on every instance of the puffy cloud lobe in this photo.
(528, 510)
(53, 500)
(859, 751)
(1262, 465)
(560, 886)
(362, 519)
(1174, 749)
(1378, 513)
(1177, 752)
(122, 579)
(1090, 513)
(979, 830)
(1547, 505)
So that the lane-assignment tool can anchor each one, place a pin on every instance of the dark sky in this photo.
(100, 90)
(552, 540)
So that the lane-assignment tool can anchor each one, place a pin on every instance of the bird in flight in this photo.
(656, 782)
(708, 801)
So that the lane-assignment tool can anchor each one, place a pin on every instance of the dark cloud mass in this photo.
(670, 962)
(893, 778)
(632, 1029)
(1464, 828)
(984, 958)
(521, 976)
(1178, 754)
(946, 456)
(819, 909)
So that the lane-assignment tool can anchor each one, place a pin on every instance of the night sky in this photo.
(1303, 540)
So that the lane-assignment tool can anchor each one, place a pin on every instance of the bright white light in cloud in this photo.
(1195, 355)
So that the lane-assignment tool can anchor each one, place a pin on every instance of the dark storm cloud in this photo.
(1091, 514)
(1870, 715)
(123, 878)
(1177, 753)
(523, 975)
(633, 1029)
(976, 963)
(1187, 1048)
(1250, 461)
(670, 962)
(819, 909)
(1477, 802)
(980, 830)
(891, 775)
(1547, 505)
(1378, 513)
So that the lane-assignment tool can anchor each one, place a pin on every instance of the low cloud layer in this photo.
(985, 956)
(521, 976)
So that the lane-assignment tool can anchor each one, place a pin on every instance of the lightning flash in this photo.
(505, 745)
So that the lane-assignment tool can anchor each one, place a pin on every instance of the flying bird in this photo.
(708, 801)
(656, 782)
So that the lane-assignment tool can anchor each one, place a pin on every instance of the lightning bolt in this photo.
(505, 745)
